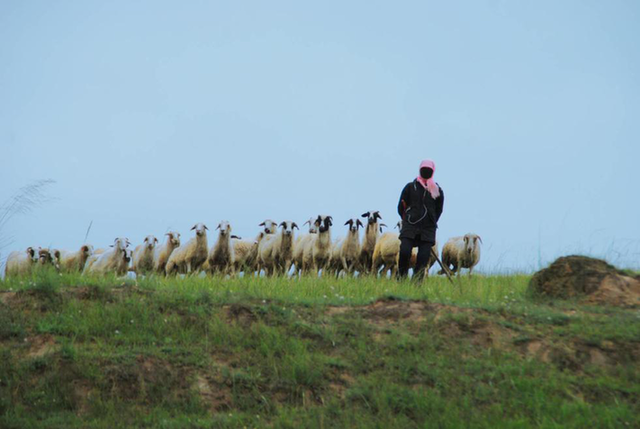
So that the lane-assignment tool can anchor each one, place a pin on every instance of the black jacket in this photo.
(420, 212)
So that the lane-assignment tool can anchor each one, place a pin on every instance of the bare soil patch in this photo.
(41, 345)
(592, 280)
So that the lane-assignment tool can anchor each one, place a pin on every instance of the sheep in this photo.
(143, 256)
(317, 250)
(346, 251)
(55, 258)
(162, 253)
(270, 226)
(300, 242)
(387, 251)
(74, 261)
(275, 251)
(246, 254)
(125, 258)
(189, 258)
(48, 257)
(369, 240)
(222, 256)
(20, 263)
(461, 252)
(241, 251)
(109, 261)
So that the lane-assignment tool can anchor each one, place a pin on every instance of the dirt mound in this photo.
(390, 309)
(240, 313)
(591, 279)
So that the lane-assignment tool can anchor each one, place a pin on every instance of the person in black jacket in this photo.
(420, 208)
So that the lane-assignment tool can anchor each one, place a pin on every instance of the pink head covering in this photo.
(429, 184)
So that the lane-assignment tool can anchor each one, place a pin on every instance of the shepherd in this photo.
(420, 207)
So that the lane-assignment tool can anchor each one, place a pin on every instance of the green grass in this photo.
(259, 352)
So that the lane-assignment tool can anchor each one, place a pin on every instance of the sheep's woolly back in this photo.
(189, 257)
(75, 261)
(19, 263)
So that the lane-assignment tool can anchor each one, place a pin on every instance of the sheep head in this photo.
(120, 243)
(354, 224)
(224, 227)
(372, 216)
(270, 226)
(174, 238)
(150, 241)
(313, 229)
(471, 243)
(86, 249)
(287, 227)
(201, 229)
(323, 223)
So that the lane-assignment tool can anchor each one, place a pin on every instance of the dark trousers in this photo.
(424, 251)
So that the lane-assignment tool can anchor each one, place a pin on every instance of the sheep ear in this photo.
(479, 238)
(283, 224)
(377, 215)
(111, 245)
(194, 227)
(359, 223)
(262, 224)
(365, 214)
(168, 233)
(156, 240)
(307, 222)
(349, 222)
(293, 225)
(205, 227)
(218, 227)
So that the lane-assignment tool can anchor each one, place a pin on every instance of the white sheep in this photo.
(162, 253)
(346, 251)
(108, 262)
(371, 233)
(189, 258)
(300, 243)
(242, 250)
(317, 251)
(275, 251)
(387, 251)
(461, 252)
(126, 255)
(222, 255)
(143, 256)
(20, 263)
(74, 261)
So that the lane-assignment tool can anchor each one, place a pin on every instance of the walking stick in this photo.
(445, 269)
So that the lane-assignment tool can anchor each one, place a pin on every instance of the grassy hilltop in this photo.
(77, 352)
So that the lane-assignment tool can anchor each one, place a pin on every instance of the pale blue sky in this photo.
(154, 114)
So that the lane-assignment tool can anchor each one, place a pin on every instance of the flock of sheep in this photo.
(274, 251)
